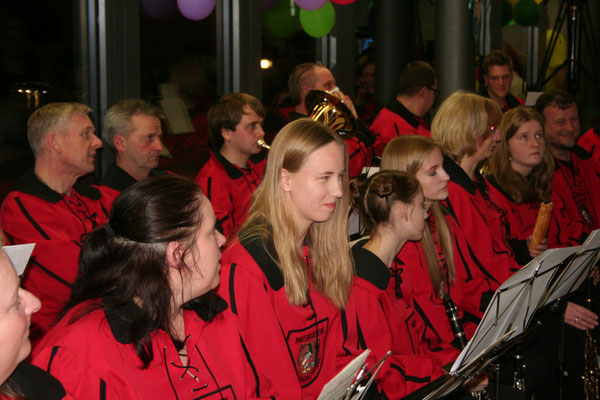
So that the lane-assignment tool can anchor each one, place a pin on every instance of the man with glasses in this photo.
(404, 114)
(498, 76)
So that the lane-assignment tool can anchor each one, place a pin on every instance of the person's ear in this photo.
(119, 143)
(284, 181)
(174, 254)
(227, 134)
(52, 141)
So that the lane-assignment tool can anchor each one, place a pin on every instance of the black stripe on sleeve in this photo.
(410, 378)
(52, 355)
(30, 219)
(208, 188)
(251, 363)
(102, 389)
(51, 274)
(232, 303)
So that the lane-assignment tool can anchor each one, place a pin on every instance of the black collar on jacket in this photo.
(369, 266)
(398, 108)
(121, 319)
(296, 115)
(261, 251)
(117, 178)
(492, 180)
(36, 384)
(460, 177)
(236, 172)
(511, 101)
(576, 151)
(30, 184)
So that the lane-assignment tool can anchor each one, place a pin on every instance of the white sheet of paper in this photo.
(19, 255)
(336, 388)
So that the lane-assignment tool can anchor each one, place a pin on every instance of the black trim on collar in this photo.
(581, 152)
(234, 171)
(460, 177)
(511, 100)
(261, 250)
(117, 178)
(398, 108)
(492, 181)
(30, 184)
(296, 115)
(370, 267)
(121, 318)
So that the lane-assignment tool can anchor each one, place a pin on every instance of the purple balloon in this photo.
(196, 9)
(266, 4)
(311, 4)
(160, 9)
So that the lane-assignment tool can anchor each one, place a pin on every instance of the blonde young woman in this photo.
(425, 269)
(465, 127)
(288, 273)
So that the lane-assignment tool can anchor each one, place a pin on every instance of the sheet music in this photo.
(513, 304)
(336, 388)
(19, 255)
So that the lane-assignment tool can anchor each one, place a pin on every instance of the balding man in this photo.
(132, 130)
(309, 76)
(48, 207)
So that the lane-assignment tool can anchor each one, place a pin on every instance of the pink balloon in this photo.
(311, 4)
(196, 9)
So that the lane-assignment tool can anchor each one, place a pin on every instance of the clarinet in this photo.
(455, 324)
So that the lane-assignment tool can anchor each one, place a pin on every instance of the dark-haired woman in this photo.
(288, 273)
(377, 320)
(143, 322)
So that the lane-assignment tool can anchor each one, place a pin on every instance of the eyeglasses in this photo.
(435, 91)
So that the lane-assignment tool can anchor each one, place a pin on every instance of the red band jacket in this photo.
(358, 145)
(590, 142)
(394, 120)
(380, 322)
(576, 195)
(293, 347)
(94, 358)
(480, 238)
(58, 224)
(116, 180)
(412, 283)
(229, 188)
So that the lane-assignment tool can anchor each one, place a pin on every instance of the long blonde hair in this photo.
(535, 187)
(271, 219)
(407, 153)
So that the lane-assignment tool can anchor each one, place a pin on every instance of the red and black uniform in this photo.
(358, 145)
(95, 358)
(394, 120)
(412, 283)
(58, 224)
(510, 102)
(480, 237)
(576, 194)
(294, 348)
(590, 142)
(116, 180)
(229, 188)
(381, 322)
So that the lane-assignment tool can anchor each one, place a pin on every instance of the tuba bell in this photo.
(328, 109)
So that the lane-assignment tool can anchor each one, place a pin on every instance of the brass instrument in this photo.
(330, 110)
(263, 144)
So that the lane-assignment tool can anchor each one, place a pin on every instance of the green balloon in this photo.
(282, 19)
(507, 12)
(318, 23)
(527, 12)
